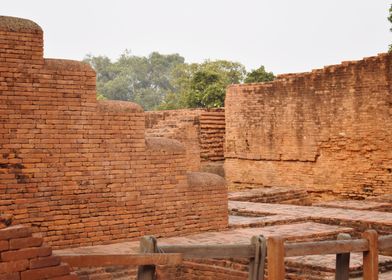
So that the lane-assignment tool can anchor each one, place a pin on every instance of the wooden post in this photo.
(275, 254)
(342, 269)
(256, 264)
(148, 244)
(370, 258)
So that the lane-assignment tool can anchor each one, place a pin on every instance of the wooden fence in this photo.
(274, 250)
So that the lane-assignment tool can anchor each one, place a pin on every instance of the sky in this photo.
(283, 35)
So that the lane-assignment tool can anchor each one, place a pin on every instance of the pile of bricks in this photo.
(24, 257)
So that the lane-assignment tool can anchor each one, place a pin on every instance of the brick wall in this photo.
(81, 171)
(328, 130)
(24, 257)
(201, 130)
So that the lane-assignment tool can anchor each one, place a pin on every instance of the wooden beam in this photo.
(275, 254)
(256, 264)
(148, 244)
(370, 257)
(385, 242)
(326, 247)
(78, 260)
(342, 269)
(210, 251)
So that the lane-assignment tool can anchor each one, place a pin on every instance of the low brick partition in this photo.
(24, 257)
(81, 171)
(327, 131)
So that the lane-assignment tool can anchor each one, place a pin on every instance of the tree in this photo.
(203, 85)
(259, 75)
(390, 20)
(144, 80)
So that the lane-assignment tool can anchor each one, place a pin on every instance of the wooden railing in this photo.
(274, 250)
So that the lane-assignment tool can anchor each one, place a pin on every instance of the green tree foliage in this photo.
(144, 80)
(259, 75)
(203, 85)
(167, 82)
(390, 20)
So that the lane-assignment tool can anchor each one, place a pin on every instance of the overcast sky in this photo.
(283, 35)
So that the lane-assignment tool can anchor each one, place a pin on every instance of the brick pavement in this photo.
(243, 221)
(356, 205)
(360, 219)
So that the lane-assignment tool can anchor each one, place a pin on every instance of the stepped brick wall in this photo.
(80, 171)
(328, 131)
(201, 130)
(24, 257)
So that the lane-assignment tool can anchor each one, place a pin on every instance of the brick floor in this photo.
(361, 219)
(297, 232)
(356, 205)
(243, 222)
(272, 195)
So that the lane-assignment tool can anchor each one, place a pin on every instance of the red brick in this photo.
(18, 231)
(45, 273)
(28, 253)
(14, 266)
(68, 277)
(10, 276)
(44, 262)
(25, 242)
(4, 245)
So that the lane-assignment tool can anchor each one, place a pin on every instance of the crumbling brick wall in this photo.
(24, 257)
(201, 130)
(79, 171)
(328, 130)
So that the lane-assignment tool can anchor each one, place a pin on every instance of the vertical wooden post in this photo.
(370, 258)
(342, 269)
(275, 254)
(256, 264)
(148, 244)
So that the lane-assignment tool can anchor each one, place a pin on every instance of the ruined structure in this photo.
(202, 131)
(81, 171)
(328, 131)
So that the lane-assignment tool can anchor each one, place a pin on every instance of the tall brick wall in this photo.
(81, 171)
(328, 130)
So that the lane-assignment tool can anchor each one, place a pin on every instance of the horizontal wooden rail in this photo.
(325, 247)
(385, 242)
(210, 251)
(77, 260)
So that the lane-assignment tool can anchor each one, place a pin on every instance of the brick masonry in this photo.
(327, 131)
(24, 257)
(80, 171)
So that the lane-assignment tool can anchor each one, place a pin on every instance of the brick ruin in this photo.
(81, 175)
(202, 131)
(81, 171)
(327, 131)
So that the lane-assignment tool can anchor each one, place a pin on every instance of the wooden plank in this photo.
(370, 257)
(211, 251)
(326, 247)
(77, 260)
(148, 244)
(275, 254)
(256, 264)
(385, 242)
(342, 271)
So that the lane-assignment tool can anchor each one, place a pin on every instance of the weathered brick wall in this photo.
(24, 257)
(201, 130)
(81, 171)
(329, 130)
